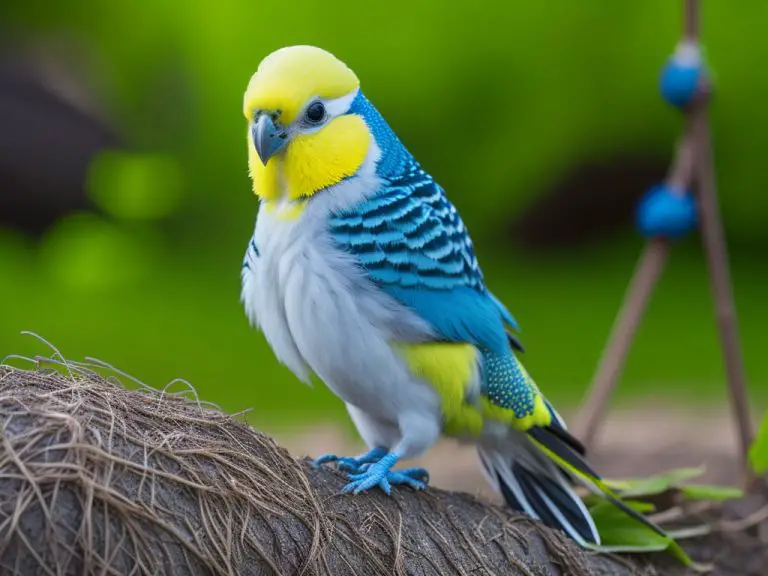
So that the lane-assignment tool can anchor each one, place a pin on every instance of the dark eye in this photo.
(315, 113)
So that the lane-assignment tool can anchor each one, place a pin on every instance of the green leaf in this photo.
(595, 503)
(621, 533)
(679, 553)
(758, 452)
(709, 492)
(646, 548)
(674, 479)
(642, 487)
(690, 532)
(617, 484)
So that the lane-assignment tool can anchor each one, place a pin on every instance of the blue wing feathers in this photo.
(505, 315)
(458, 315)
(411, 242)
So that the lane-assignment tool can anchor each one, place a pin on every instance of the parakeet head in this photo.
(303, 135)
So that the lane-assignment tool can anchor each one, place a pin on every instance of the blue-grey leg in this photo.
(419, 433)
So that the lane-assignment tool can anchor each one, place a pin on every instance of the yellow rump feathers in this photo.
(451, 369)
(289, 77)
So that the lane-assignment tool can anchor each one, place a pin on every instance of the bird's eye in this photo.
(315, 113)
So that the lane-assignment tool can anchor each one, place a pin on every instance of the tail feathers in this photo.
(564, 447)
(559, 428)
(562, 452)
(547, 498)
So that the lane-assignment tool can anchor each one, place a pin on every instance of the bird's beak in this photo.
(267, 138)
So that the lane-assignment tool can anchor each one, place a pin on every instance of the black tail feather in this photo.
(563, 450)
(554, 442)
(568, 438)
(540, 496)
(556, 506)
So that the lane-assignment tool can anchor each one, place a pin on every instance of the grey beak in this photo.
(267, 139)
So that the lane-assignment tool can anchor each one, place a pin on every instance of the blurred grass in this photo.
(541, 87)
(184, 320)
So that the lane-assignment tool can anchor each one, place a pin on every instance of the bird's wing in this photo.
(412, 243)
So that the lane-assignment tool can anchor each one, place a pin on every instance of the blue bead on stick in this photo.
(681, 75)
(664, 212)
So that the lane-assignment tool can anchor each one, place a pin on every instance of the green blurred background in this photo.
(541, 119)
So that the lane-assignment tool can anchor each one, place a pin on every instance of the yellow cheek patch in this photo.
(264, 179)
(289, 77)
(319, 160)
(311, 162)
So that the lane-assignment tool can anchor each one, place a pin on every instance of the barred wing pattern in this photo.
(412, 243)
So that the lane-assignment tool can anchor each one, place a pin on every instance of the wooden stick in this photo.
(693, 160)
(713, 239)
(646, 276)
(691, 20)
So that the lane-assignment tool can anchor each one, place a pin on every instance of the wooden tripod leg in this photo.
(647, 274)
(714, 242)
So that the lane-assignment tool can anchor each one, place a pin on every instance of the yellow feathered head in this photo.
(301, 138)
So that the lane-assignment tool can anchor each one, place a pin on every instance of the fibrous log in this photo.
(96, 478)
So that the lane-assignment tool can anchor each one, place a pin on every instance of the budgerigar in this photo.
(361, 273)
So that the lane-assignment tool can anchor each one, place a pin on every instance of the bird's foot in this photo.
(349, 464)
(381, 474)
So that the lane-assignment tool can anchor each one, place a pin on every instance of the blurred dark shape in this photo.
(46, 145)
(592, 201)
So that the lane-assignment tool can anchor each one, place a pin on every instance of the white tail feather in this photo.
(536, 487)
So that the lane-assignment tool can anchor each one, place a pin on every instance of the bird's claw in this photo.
(324, 459)
(375, 469)
(350, 464)
(380, 475)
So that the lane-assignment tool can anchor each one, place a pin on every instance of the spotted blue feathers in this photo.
(411, 242)
(506, 384)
